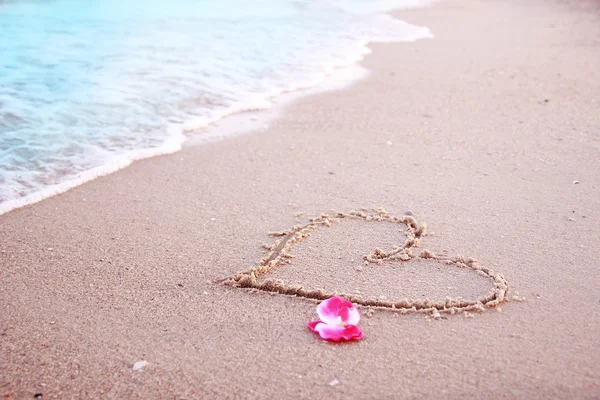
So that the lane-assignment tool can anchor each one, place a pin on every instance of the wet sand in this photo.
(488, 134)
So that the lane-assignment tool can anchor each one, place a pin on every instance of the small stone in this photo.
(409, 212)
(576, 182)
(334, 382)
(139, 365)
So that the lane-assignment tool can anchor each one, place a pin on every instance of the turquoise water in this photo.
(87, 87)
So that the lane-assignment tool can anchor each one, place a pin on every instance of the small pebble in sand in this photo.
(334, 382)
(576, 182)
(139, 365)
(408, 212)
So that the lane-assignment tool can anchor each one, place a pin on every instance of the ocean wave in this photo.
(85, 91)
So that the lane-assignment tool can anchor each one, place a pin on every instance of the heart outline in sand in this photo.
(279, 254)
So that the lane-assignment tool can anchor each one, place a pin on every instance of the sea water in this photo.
(86, 87)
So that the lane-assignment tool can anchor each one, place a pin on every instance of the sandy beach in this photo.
(489, 134)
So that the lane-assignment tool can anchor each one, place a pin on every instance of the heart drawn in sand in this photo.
(279, 255)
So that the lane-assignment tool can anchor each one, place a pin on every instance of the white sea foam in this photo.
(86, 90)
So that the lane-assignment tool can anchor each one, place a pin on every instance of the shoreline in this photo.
(201, 130)
(480, 134)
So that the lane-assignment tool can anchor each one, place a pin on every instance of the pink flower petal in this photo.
(336, 309)
(312, 325)
(336, 333)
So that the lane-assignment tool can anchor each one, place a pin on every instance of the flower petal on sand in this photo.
(331, 310)
(337, 333)
(338, 320)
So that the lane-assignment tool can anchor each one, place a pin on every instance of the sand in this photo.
(480, 133)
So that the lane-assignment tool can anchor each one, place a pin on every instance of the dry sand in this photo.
(481, 132)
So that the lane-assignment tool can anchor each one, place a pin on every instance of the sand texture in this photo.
(480, 133)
